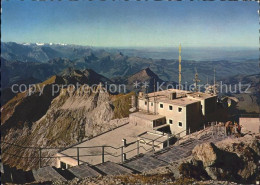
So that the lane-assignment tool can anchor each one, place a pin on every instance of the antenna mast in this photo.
(215, 81)
(180, 67)
(196, 80)
(154, 101)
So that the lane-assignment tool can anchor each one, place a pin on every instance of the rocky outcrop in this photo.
(206, 153)
(230, 159)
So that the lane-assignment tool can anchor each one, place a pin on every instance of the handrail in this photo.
(153, 139)
(146, 141)
(53, 148)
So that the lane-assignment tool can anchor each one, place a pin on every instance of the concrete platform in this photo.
(93, 154)
(147, 116)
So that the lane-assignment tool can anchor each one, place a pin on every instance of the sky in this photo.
(132, 23)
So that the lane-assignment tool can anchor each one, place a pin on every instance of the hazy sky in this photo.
(132, 23)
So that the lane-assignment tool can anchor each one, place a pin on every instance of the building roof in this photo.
(179, 93)
(179, 101)
(200, 95)
(183, 97)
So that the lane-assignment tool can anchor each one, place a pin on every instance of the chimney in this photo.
(172, 96)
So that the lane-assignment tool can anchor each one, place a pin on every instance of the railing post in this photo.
(124, 142)
(168, 141)
(124, 157)
(122, 153)
(78, 155)
(137, 147)
(103, 154)
(40, 157)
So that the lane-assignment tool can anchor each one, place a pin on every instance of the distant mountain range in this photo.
(20, 62)
(40, 52)
(31, 63)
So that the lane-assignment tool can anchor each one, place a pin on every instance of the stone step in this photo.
(110, 168)
(68, 175)
(188, 142)
(83, 171)
(175, 154)
(141, 164)
(164, 150)
(46, 174)
(205, 137)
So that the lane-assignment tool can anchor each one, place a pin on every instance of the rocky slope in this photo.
(234, 161)
(248, 99)
(60, 119)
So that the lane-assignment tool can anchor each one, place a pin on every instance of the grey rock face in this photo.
(231, 159)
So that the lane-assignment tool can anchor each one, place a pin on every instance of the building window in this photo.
(161, 106)
(145, 102)
(180, 124)
(152, 104)
(170, 121)
(180, 109)
(170, 107)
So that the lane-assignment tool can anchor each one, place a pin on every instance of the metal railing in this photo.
(40, 150)
(151, 143)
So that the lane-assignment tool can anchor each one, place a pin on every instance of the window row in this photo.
(179, 123)
(161, 106)
(171, 108)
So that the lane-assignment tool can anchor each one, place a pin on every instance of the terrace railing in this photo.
(150, 144)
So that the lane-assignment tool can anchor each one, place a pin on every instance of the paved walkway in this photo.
(112, 138)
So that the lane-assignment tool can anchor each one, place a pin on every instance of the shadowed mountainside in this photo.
(60, 119)
(249, 98)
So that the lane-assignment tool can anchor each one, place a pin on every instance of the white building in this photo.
(182, 111)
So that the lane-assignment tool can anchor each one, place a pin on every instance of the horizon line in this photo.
(95, 46)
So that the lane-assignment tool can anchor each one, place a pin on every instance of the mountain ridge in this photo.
(62, 119)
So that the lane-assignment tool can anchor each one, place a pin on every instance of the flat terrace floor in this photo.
(150, 136)
(112, 138)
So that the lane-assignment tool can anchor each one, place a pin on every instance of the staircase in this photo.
(138, 164)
